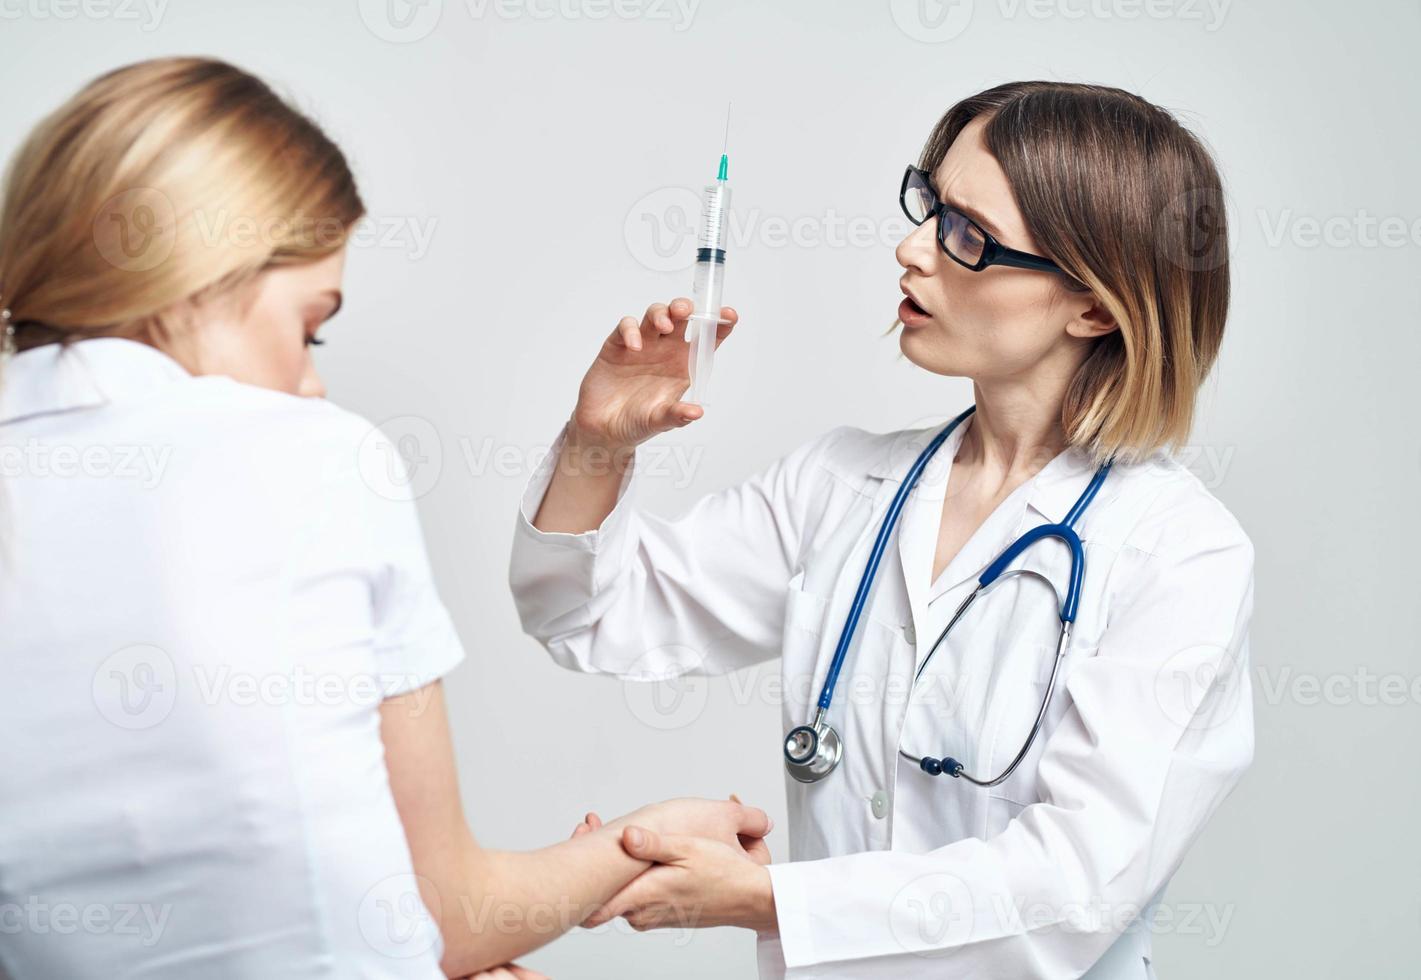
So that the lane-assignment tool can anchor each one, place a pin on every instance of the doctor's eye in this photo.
(314, 341)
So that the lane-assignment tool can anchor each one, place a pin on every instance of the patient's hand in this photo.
(727, 821)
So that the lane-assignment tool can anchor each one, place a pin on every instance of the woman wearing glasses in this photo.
(1010, 796)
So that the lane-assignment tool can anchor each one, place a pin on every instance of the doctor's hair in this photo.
(162, 182)
(1130, 204)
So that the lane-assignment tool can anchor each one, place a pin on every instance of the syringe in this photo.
(702, 324)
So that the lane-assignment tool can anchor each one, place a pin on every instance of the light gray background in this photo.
(542, 143)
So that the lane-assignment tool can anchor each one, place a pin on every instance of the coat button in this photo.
(879, 803)
(910, 634)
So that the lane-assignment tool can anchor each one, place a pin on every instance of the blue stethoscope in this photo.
(813, 751)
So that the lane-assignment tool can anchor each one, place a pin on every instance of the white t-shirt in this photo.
(206, 590)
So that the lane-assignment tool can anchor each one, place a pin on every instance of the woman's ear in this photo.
(1094, 321)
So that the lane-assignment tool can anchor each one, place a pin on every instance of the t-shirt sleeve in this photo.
(414, 638)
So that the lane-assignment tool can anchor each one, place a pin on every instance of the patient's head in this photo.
(182, 203)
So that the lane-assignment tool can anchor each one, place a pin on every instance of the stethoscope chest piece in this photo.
(812, 751)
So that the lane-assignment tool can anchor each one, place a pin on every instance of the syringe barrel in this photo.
(706, 289)
(709, 283)
(715, 208)
(710, 256)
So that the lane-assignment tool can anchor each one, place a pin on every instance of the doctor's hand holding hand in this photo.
(695, 882)
(631, 392)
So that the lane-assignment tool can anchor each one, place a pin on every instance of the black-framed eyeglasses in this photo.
(965, 242)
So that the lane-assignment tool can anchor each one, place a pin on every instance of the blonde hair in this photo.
(1130, 204)
(160, 182)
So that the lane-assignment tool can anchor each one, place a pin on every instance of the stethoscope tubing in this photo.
(812, 751)
(952, 767)
(885, 531)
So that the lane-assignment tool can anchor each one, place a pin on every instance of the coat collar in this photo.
(1045, 498)
(1051, 492)
(84, 374)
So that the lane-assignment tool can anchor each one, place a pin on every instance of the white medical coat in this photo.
(1058, 871)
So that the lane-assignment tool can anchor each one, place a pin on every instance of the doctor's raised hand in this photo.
(631, 393)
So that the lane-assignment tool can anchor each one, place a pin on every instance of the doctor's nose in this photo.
(918, 251)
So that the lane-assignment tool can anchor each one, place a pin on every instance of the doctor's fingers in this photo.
(673, 414)
(755, 849)
(727, 313)
(646, 889)
(665, 317)
(722, 820)
(620, 903)
(648, 845)
(629, 333)
(649, 887)
(662, 319)
(751, 821)
(660, 915)
(658, 320)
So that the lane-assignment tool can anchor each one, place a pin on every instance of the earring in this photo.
(7, 343)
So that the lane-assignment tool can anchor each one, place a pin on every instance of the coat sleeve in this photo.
(645, 597)
(1159, 730)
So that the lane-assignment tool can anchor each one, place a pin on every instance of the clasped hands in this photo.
(708, 869)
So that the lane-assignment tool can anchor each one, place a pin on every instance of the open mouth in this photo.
(910, 312)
